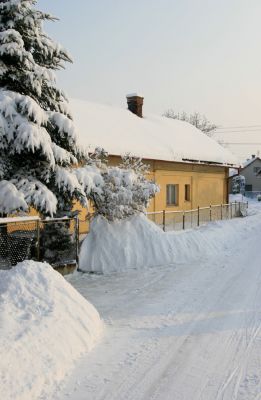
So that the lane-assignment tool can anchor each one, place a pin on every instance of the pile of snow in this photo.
(153, 137)
(138, 243)
(45, 326)
(134, 242)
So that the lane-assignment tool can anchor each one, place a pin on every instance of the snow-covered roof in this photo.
(233, 172)
(250, 161)
(134, 95)
(119, 132)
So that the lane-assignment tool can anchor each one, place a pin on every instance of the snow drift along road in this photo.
(122, 244)
(138, 243)
(45, 325)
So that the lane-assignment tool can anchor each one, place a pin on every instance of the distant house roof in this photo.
(119, 132)
(250, 161)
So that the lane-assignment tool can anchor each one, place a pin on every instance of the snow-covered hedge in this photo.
(45, 326)
(134, 242)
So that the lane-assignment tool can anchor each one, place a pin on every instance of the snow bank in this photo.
(206, 241)
(135, 242)
(139, 243)
(45, 326)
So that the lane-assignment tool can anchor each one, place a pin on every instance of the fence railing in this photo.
(55, 241)
(178, 220)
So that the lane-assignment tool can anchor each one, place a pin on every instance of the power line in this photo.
(239, 127)
(243, 143)
(253, 131)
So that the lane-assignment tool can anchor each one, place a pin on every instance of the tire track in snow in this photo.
(181, 334)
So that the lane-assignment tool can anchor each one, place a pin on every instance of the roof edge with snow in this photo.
(119, 132)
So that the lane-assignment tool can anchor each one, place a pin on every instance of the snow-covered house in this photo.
(191, 168)
(251, 171)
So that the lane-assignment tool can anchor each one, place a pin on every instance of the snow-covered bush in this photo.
(122, 191)
(135, 242)
(38, 142)
(238, 184)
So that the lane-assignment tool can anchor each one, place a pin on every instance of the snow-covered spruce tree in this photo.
(120, 192)
(38, 144)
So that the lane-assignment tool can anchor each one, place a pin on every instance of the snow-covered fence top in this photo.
(18, 219)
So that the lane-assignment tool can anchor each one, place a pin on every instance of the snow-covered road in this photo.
(180, 332)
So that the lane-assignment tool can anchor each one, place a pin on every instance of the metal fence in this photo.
(178, 220)
(55, 241)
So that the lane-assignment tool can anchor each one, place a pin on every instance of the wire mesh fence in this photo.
(178, 220)
(55, 241)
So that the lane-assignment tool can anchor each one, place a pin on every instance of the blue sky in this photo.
(192, 55)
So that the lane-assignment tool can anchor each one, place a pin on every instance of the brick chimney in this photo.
(135, 103)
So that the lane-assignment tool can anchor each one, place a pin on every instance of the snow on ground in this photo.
(45, 325)
(138, 243)
(191, 330)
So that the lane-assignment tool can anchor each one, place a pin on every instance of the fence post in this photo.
(164, 220)
(77, 233)
(38, 239)
(221, 211)
(183, 220)
(198, 215)
(210, 213)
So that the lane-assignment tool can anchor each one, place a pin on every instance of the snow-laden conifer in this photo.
(38, 142)
(39, 153)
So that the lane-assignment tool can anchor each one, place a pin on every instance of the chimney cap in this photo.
(134, 95)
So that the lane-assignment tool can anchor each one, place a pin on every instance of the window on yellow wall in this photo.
(172, 195)
(187, 192)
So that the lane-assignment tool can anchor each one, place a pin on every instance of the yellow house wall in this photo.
(208, 186)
